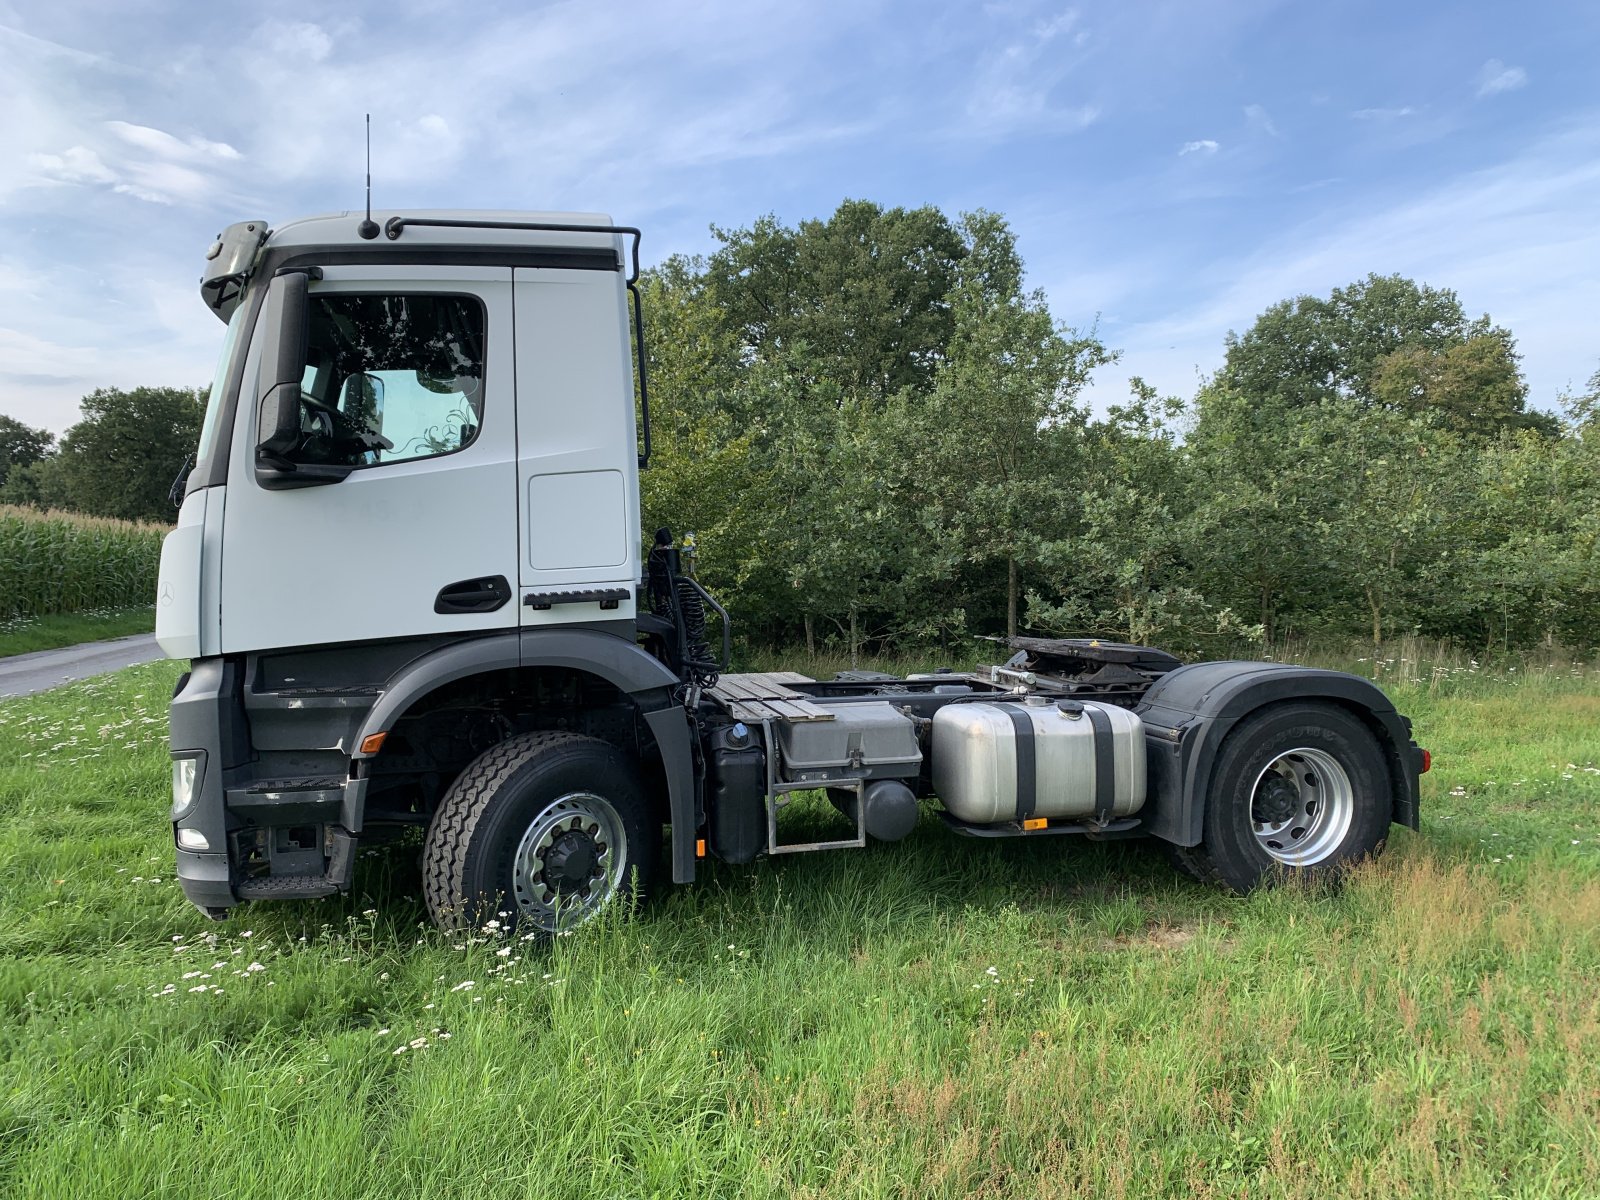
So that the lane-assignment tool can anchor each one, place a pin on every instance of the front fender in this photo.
(1189, 713)
(620, 662)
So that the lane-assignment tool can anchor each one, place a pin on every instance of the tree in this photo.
(1125, 570)
(1384, 341)
(1472, 387)
(1004, 427)
(864, 291)
(121, 458)
(785, 371)
(21, 445)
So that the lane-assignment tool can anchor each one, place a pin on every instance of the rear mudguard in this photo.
(1190, 712)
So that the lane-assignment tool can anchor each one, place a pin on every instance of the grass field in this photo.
(24, 635)
(932, 1018)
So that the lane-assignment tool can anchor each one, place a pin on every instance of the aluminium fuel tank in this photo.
(995, 761)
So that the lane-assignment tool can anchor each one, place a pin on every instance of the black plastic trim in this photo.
(483, 595)
(212, 471)
(576, 258)
(607, 598)
(207, 715)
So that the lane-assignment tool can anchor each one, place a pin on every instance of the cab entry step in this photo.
(765, 696)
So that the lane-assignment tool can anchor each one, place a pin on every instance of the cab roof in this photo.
(341, 230)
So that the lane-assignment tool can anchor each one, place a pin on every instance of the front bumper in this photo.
(207, 718)
(207, 881)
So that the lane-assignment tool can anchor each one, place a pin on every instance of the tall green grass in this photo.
(57, 562)
(935, 1018)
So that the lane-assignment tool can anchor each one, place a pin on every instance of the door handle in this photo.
(473, 595)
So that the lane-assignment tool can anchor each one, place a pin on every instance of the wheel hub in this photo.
(571, 862)
(1276, 800)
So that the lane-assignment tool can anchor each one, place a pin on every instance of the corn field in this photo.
(56, 562)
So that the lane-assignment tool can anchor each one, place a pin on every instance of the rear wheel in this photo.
(1299, 791)
(544, 831)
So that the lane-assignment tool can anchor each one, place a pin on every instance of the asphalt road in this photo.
(24, 674)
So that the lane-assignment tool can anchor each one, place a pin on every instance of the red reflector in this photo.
(1427, 761)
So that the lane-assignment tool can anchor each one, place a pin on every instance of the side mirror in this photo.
(283, 361)
(285, 330)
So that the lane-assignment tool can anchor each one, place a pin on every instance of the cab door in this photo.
(577, 453)
(410, 381)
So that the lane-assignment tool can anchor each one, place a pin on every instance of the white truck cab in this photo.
(478, 418)
(408, 575)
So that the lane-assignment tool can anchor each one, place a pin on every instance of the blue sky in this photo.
(1170, 168)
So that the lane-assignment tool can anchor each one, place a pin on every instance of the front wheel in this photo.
(543, 831)
(1300, 790)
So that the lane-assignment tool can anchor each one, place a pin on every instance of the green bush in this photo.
(56, 562)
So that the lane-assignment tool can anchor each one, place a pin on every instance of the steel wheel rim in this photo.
(569, 821)
(1325, 807)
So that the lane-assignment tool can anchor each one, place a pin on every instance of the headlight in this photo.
(187, 773)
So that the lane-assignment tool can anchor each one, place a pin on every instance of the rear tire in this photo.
(1300, 791)
(543, 832)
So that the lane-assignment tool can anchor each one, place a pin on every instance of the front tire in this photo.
(543, 831)
(1299, 791)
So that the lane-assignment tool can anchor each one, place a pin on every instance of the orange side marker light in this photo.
(1035, 823)
(700, 847)
(373, 742)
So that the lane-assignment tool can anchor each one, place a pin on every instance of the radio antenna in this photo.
(368, 228)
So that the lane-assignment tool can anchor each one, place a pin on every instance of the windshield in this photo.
(219, 381)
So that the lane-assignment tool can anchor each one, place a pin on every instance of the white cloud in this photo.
(1495, 77)
(1203, 146)
(77, 164)
(1015, 84)
(1383, 114)
(158, 141)
(1062, 22)
(167, 171)
(1258, 118)
(296, 41)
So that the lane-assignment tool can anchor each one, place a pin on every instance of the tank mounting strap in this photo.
(1027, 761)
(1105, 764)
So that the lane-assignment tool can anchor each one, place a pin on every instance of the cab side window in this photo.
(391, 377)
